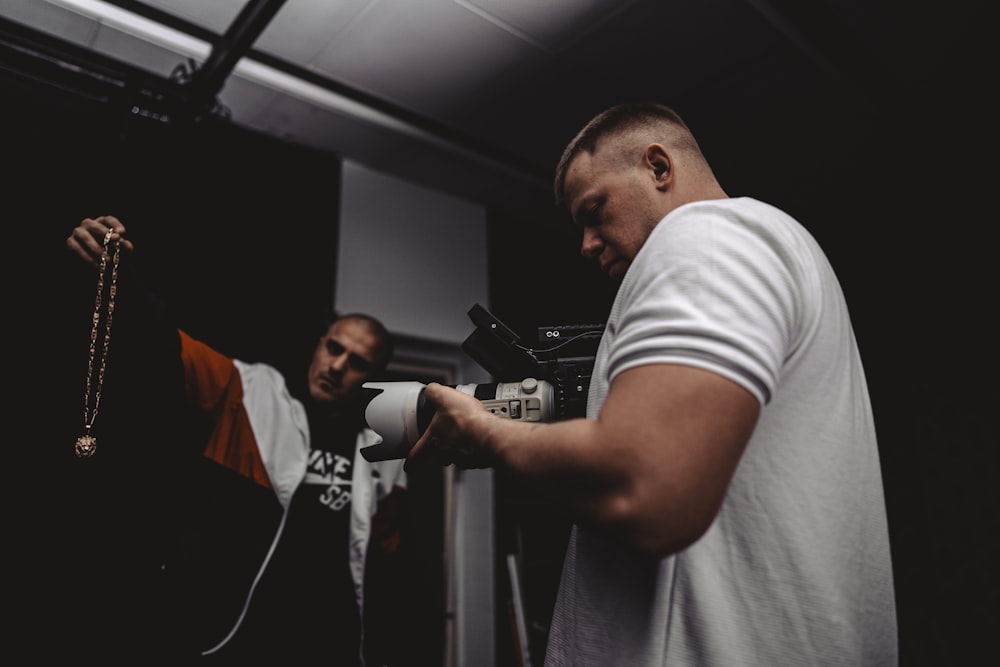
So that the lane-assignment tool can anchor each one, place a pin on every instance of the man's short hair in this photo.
(618, 121)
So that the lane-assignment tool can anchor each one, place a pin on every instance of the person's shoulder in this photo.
(258, 371)
(747, 213)
(747, 206)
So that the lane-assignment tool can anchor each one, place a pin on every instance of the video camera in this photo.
(543, 384)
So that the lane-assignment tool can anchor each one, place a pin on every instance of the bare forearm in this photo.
(564, 460)
(583, 467)
(651, 470)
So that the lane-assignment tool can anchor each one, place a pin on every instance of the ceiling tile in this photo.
(54, 20)
(160, 58)
(111, 32)
(302, 29)
(553, 24)
(214, 15)
(423, 54)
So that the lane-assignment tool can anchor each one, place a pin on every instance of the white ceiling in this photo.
(479, 96)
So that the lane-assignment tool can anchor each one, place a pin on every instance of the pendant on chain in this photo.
(86, 444)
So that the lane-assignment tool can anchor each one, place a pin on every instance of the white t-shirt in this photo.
(795, 569)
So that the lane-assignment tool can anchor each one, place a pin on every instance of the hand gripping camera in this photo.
(537, 385)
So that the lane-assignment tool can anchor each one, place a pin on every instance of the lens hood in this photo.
(392, 411)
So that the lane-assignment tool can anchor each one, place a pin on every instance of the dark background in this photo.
(235, 230)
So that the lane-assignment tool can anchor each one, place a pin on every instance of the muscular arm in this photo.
(651, 470)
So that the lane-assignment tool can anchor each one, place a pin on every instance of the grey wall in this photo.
(416, 259)
(413, 257)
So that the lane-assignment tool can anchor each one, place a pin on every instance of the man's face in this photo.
(342, 362)
(614, 207)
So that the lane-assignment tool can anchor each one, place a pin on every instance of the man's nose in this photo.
(591, 245)
(339, 362)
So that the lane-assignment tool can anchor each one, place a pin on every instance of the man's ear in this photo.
(658, 162)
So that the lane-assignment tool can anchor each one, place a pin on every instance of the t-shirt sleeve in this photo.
(713, 290)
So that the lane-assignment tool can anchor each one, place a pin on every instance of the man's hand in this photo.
(458, 432)
(87, 238)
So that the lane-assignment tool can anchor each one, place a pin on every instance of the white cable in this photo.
(253, 586)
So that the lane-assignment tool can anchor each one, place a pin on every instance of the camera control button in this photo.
(529, 385)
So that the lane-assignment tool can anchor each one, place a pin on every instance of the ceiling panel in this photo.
(551, 24)
(303, 29)
(423, 54)
(213, 15)
(110, 31)
(55, 20)
(140, 49)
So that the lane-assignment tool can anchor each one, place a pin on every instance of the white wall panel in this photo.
(413, 257)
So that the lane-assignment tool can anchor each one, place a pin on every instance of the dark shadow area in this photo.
(118, 556)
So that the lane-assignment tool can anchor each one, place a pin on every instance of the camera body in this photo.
(563, 356)
(544, 384)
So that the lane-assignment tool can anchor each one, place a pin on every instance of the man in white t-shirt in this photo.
(725, 486)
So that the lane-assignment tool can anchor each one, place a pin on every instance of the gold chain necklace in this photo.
(86, 444)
